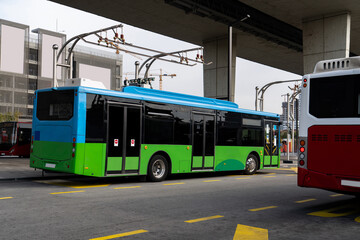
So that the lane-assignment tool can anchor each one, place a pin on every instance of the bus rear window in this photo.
(335, 97)
(55, 105)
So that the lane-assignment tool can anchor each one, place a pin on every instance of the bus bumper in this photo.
(345, 184)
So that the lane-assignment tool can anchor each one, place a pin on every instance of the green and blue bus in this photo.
(146, 132)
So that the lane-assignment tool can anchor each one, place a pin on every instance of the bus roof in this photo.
(167, 97)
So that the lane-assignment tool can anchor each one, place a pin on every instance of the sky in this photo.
(188, 80)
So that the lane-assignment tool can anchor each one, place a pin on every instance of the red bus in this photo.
(15, 138)
(329, 133)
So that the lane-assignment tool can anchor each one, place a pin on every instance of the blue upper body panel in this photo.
(60, 130)
(167, 97)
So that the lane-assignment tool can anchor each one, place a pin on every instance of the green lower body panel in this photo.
(233, 158)
(115, 163)
(197, 162)
(180, 156)
(90, 158)
(209, 162)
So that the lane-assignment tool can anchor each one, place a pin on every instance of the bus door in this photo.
(123, 138)
(203, 147)
(271, 148)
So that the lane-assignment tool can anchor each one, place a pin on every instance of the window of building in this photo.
(33, 69)
(5, 96)
(21, 98)
(6, 81)
(21, 83)
(33, 54)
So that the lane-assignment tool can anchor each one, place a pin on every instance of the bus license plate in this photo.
(50, 165)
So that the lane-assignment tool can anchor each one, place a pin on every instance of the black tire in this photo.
(158, 168)
(251, 164)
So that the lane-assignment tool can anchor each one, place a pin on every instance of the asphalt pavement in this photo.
(15, 168)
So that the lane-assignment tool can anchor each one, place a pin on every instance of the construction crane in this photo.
(160, 77)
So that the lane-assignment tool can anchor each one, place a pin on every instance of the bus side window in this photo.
(24, 136)
(358, 104)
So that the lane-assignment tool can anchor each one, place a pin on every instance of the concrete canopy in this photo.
(272, 36)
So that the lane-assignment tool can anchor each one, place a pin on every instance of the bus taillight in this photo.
(302, 152)
(305, 83)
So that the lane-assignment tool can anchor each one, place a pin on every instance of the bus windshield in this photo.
(335, 97)
(55, 105)
(7, 135)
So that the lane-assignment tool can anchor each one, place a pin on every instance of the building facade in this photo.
(26, 64)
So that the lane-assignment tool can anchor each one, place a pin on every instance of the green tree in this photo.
(7, 117)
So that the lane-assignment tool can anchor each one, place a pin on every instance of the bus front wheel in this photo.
(158, 168)
(251, 165)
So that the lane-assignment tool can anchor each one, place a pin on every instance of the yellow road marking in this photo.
(357, 219)
(269, 176)
(295, 169)
(244, 178)
(77, 185)
(5, 198)
(260, 209)
(66, 192)
(289, 175)
(203, 219)
(212, 181)
(336, 195)
(341, 211)
(272, 173)
(306, 200)
(244, 232)
(127, 187)
(169, 184)
(121, 235)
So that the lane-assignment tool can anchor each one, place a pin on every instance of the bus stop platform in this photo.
(15, 168)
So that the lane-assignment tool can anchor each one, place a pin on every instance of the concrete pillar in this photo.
(216, 74)
(325, 37)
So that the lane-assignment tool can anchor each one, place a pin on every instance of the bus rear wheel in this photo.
(251, 164)
(158, 168)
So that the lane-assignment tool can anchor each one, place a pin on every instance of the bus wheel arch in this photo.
(159, 166)
(252, 163)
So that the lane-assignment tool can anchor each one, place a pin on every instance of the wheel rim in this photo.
(158, 168)
(251, 164)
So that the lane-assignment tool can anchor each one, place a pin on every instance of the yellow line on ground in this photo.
(272, 173)
(169, 184)
(244, 178)
(306, 200)
(295, 169)
(244, 232)
(127, 187)
(260, 209)
(66, 192)
(121, 235)
(336, 195)
(357, 219)
(269, 176)
(203, 219)
(212, 181)
(290, 175)
(65, 183)
(88, 186)
(5, 198)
